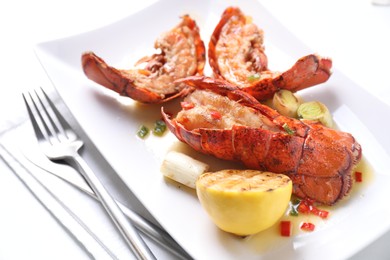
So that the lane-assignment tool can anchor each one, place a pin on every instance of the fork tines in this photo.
(43, 115)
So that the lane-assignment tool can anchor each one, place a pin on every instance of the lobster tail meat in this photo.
(152, 80)
(222, 120)
(237, 54)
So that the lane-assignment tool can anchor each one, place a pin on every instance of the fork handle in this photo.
(133, 239)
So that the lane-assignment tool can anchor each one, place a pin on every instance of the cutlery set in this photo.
(60, 143)
(53, 204)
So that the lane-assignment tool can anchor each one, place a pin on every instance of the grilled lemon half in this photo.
(244, 202)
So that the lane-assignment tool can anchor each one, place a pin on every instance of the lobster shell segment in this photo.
(152, 80)
(237, 54)
(229, 124)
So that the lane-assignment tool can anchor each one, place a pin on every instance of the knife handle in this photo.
(130, 234)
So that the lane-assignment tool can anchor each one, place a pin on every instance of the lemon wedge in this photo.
(244, 202)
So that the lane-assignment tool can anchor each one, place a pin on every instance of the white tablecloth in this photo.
(355, 33)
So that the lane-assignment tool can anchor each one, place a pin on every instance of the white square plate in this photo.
(112, 122)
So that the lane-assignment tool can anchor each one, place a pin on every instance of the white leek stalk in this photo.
(182, 168)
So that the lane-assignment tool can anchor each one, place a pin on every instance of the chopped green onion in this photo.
(143, 131)
(295, 201)
(159, 128)
(253, 77)
(293, 211)
(288, 129)
(293, 207)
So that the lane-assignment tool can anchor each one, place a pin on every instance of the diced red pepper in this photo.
(303, 207)
(307, 226)
(187, 105)
(215, 115)
(306, 206)
(285, 228)
(358, 176)
(319, 212)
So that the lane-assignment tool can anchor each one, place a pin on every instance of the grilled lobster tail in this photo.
(152, 80)
(237, 54)
(228, 123)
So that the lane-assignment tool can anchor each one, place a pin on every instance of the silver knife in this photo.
(148, 228)
(65, 216)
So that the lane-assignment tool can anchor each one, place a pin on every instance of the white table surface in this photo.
(355, 33)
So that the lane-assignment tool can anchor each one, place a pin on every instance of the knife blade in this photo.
(69, 175)
(62, 214)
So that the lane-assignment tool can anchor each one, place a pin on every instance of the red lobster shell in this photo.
(221, 120)
(236, 54)
(182, 54)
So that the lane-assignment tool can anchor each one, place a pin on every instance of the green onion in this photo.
(143, 131)
(294, 203)
(253, 77)
(159, 128)
(293, 211)
(288, 129)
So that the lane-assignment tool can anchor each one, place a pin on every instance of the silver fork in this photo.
(59, 142)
